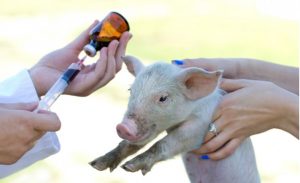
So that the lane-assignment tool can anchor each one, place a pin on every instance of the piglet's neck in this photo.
(204, 107)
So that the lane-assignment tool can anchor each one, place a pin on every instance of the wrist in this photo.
(290, 122)
(240, 66)
(36, 82)
(246, 68)
(293, 117)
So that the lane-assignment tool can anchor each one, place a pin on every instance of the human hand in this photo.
(250, 107)
(91, 77)
(21, 128)
(230, 66)
(286, 77)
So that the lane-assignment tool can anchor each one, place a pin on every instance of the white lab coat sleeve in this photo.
(20, 88)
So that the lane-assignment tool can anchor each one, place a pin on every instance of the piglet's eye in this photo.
(163, 98)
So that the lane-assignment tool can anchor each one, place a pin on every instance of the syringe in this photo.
(60, 85)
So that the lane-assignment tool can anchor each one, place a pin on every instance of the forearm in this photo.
(283, 76)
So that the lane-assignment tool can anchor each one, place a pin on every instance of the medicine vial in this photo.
(110, 28)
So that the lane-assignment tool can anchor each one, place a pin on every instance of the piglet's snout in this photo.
(127, 130)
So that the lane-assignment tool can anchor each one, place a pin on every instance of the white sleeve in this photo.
(20, 88)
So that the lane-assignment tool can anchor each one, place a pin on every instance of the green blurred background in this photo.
(162, 30)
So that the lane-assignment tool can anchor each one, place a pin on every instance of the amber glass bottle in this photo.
(112, 27)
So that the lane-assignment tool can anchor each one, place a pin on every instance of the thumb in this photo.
(19, 106)
(46, 121)
(230, 85)
(79, 42)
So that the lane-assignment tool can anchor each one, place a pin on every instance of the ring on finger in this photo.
(213, 129)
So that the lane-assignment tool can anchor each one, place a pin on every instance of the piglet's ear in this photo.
(134, 65)
(197, 83)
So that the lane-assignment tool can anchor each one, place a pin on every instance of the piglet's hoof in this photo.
(133, 168)
(103, 163)
(98, 165)
(128, 168)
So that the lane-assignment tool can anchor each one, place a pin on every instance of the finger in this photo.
(126, 36)
(213, 144)
(35, 136)
(110, 71)
(210, 134)
(111, 66)
(38, 135)
(226, 151)
(46, 121)
(78, 43)
(91, 76)
(219, 125)
(19, 106)
(112, 48)
(231, 85)
(199, 62)
(208, 137)
(101, 65)
(209, 64)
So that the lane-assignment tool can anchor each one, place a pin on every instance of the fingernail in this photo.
(204, 157)
(178, 62)
(95, 22)
(130, 36)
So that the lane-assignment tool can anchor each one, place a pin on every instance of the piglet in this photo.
(165, 97)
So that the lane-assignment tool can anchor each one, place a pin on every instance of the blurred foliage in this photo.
(165, 30)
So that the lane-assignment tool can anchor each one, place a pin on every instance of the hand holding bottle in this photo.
(91, 77)
(109, 29)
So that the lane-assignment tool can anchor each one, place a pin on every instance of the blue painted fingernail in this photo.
(178, 62)
(204, 157)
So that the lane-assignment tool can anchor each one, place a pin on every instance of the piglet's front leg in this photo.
(112, 159)
(181, 139)
(144, 161)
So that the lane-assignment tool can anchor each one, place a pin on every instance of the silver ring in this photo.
(213, 129)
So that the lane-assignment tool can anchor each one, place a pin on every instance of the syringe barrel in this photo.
(55, 91)
(59, 86)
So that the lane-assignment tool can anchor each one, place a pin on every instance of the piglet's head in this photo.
(161, 97)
